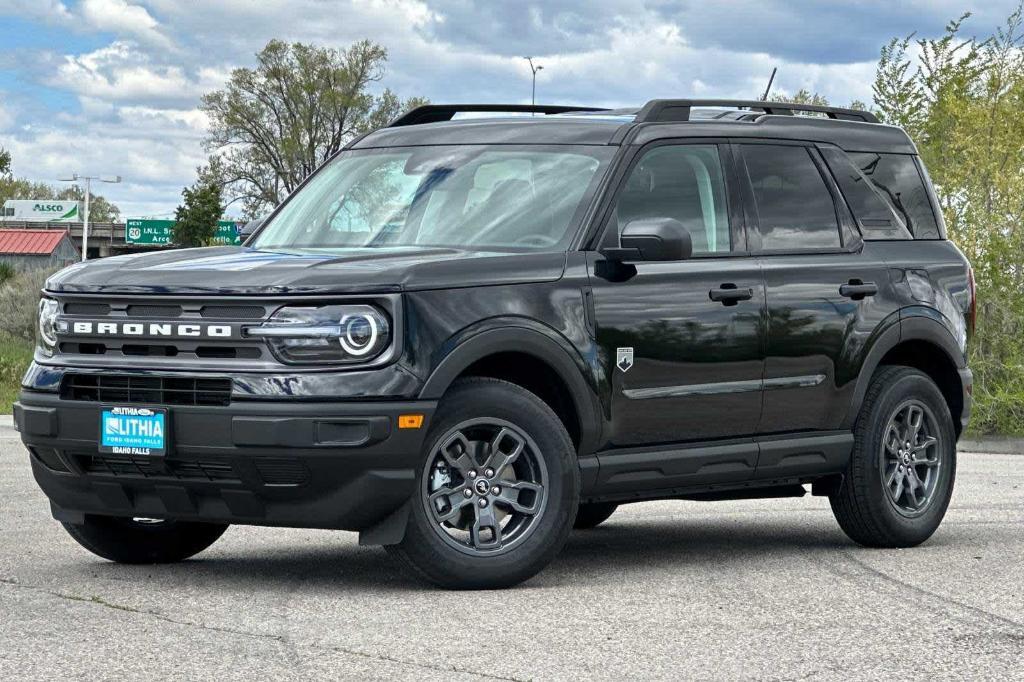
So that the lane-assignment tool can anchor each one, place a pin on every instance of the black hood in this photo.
(228, 270)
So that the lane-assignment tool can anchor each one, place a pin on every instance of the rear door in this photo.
(682, 341)
(827, 290)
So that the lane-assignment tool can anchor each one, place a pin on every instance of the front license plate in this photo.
(133, 431)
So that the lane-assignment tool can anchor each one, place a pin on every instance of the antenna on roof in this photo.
(764, 98)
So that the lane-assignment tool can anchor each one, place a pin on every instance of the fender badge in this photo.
(624, 358)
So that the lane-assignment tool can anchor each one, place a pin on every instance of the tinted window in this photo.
(877, 218)
(684, 182)
(897, 178)
(794, 207)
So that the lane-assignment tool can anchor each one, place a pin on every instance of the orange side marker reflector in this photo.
(410, 421)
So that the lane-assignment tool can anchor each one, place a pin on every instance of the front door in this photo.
(682, 342)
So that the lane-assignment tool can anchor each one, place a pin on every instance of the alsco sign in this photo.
(42, 210)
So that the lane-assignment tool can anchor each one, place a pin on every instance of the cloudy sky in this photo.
(112, 86)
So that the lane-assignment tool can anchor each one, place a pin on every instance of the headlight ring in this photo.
(328, 334)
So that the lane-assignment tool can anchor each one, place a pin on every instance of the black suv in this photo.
(465, 335)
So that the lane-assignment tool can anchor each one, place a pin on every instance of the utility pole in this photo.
(533, 89)
(74, 177)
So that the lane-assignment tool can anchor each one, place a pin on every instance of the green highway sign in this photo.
(158, 232)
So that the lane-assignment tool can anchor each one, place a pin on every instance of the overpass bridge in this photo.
(105, 239)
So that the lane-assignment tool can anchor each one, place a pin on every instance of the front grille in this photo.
(141, 467)
(282, 471)
(129, 389)
(233, 312)
(164, 349)
(153, 311)
(76, 308)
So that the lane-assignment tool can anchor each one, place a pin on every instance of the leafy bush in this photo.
(960, 98)
(19, 303)
(7, 272)
(15, 356)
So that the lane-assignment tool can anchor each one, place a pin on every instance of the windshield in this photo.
(483, 197)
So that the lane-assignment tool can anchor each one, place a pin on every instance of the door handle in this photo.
(729, 294)
(857, 290)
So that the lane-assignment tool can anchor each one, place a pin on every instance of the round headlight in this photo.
(338, 333)
(359, 334)
(48, 309)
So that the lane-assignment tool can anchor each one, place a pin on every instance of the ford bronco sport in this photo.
(462, 336)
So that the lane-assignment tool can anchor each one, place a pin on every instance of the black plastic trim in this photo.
(436, 113)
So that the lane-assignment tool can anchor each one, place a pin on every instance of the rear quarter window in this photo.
(897, 178)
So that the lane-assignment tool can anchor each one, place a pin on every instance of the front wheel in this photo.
(497, 492)
(900, 478)
(143, 541)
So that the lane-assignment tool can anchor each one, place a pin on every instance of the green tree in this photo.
(5, 162)
(804, 96)
(196, 218)
(100, 209)
(276, 123)
(961, 101)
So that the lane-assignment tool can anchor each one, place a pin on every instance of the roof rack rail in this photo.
(664, 110)
(434, 113)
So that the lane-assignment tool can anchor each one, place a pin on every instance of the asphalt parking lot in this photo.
(667, 590)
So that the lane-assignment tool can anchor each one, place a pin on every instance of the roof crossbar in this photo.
(665, 110)
(434, 113)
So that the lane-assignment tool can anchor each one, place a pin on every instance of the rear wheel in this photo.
(594, 514)
(900, 477)
(143, 541)
(497, 492)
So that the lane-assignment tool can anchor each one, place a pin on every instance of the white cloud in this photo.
(138, 96)
(123, 72)
(123, 18)
(6, 115)
(50, 11)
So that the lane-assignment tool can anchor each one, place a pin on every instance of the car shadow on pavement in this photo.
(626, 546)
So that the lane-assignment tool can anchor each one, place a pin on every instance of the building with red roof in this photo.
(25, 248)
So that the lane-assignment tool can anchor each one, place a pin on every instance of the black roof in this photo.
(658, 119)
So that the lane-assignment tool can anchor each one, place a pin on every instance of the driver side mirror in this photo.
(652, 239)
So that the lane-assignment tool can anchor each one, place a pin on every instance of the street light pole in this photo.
(85, 225)
(533, 88)
(74, 177)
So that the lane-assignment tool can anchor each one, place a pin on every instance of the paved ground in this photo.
(666, 590)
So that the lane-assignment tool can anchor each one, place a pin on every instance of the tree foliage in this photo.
(960, 99)
(276, 123)
(5, 162)
(195, 220)
(804, 96)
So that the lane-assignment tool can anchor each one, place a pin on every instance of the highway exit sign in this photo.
(158, 232)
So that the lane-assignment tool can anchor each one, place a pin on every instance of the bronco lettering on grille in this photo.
(159, 329)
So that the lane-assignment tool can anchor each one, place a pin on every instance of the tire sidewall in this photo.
(909, 385)
(446, 565)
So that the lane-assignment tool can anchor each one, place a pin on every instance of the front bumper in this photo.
(339, 465)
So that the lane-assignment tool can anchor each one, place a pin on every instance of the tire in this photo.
(866, 504)
(128, 541)
(594, 514)
(491, 419)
